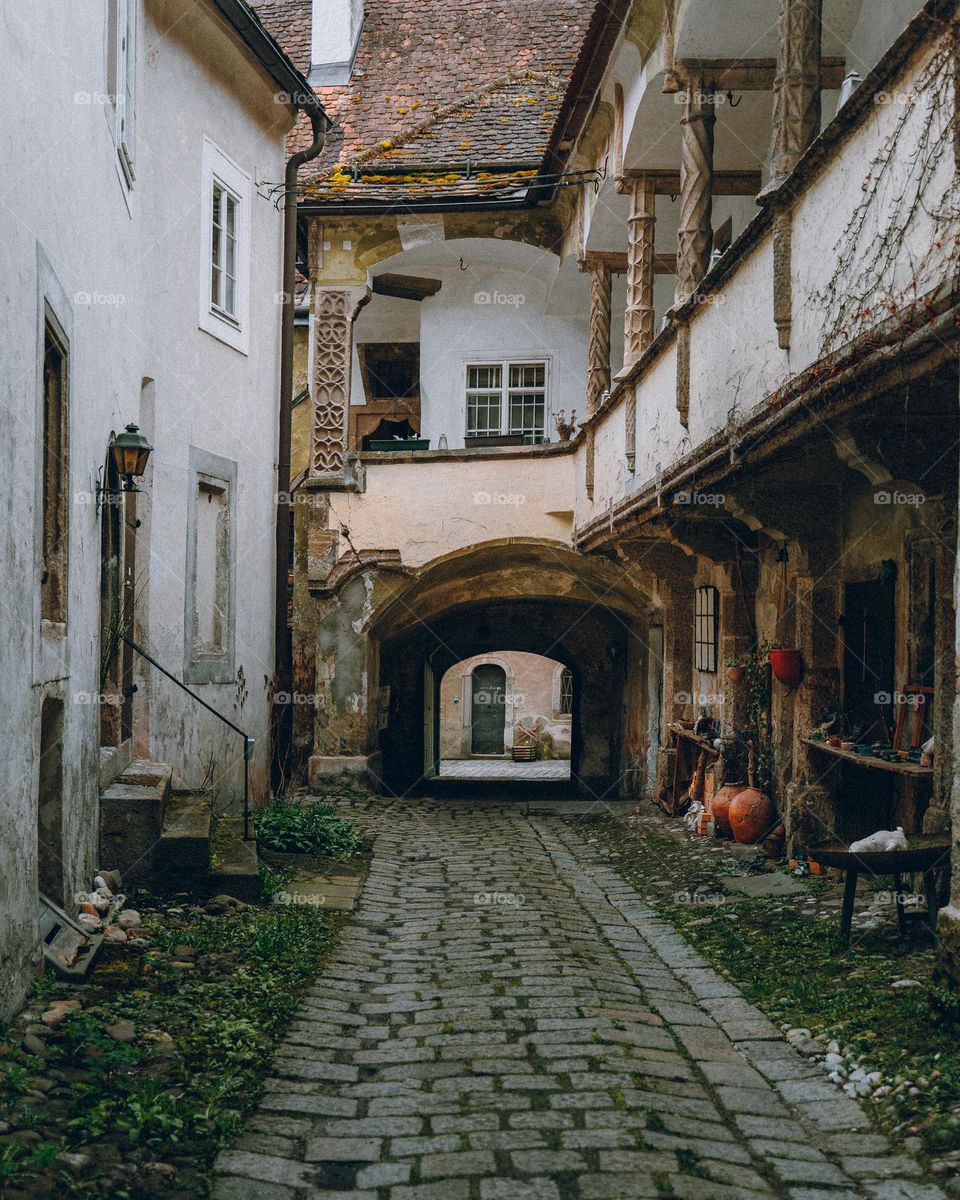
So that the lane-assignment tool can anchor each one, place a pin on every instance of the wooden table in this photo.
(870, 762)
(924, 854)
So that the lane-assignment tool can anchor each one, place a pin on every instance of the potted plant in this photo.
(565, 429)
(381, 445)
(736, 668)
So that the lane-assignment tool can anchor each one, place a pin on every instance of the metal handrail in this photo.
(248, 742)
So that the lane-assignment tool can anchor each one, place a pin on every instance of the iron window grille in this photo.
(706, 613)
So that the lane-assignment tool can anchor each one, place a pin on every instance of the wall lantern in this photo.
(129, 451)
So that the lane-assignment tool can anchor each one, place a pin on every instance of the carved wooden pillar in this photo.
(796, 85)
(695, 234)
(334, 310)
(598, 353)
(598, 338)
(638, 330)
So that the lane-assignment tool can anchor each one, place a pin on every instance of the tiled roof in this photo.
(441, 89)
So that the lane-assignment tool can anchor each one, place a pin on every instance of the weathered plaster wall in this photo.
(431, 507)
(533, 695)
(123, 281)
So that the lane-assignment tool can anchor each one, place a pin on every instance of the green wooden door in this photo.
(488, 709)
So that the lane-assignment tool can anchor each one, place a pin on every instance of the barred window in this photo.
(705, 615)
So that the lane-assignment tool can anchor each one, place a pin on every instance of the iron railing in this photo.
(248, 742)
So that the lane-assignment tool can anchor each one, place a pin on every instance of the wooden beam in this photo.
(406, 287)
(725, 183)
(616, 262)
(753, 74)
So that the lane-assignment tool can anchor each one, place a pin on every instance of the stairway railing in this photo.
(248, 742)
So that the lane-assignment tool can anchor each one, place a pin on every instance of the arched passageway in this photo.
(505, 716)
(590, 642)
(386, 637)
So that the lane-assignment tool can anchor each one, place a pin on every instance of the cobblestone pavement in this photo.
(503, 768)
(506, 1020)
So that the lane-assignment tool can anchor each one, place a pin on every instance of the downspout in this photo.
(320, 124)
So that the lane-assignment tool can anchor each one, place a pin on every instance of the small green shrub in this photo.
(308, 829)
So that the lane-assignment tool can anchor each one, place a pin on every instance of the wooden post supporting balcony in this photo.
(796, 85)
(638, 330)
(598, 337)
(696, 188)
(598, 349)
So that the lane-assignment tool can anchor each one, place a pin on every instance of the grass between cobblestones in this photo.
(793, 966)
(95, 1116)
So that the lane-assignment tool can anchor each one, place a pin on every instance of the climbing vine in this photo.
(878, 276)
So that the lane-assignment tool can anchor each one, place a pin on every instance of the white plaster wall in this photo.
(430, 508)
(735, 361)
(210, 395)
(535, 312)
(130, 280)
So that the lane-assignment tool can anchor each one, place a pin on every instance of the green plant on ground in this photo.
(273, 880)
(796, 968)
(307, 829)
(204, 1040)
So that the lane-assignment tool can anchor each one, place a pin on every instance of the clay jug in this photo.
(750, 812)
(720, 808)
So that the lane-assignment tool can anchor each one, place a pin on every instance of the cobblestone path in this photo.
(505, 1019)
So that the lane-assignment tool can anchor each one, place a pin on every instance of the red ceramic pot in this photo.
(787, 666)
(750, 815)
(720, 808)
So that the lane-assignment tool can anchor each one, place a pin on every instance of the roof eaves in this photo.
(602, 33)
(271, 57)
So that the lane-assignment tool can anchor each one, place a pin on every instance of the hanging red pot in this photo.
(787, 667)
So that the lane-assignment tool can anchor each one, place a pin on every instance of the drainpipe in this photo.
(320, 123)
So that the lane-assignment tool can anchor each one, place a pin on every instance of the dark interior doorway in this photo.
(868, 658)
(488, 709)
(50, 802)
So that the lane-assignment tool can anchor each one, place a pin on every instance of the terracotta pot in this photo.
(750, 815)
(720, 808)
(736, 674)
(787, 666)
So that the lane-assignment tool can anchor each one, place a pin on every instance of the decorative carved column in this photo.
(783, 276)
(334, 310)
(598, 338)
(638, 330)
(598, 352)
(796, 85)
(695, 233)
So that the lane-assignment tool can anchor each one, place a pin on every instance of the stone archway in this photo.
(384, 640)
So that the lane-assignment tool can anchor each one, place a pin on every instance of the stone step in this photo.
(131, 819)
(182, 860)
(233, 869)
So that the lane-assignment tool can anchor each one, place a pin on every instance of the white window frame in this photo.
(505, 363)
(220, 170)
(121, 84)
